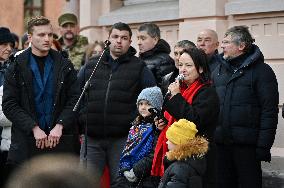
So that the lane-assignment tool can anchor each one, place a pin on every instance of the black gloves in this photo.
(263, 154)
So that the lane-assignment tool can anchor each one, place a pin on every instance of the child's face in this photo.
(171, 145)
(143, 107)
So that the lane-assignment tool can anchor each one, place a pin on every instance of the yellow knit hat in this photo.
(181, 131)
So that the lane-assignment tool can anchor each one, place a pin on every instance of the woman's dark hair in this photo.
(201, 62)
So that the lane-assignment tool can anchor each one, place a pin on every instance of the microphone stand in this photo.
(107, 43)
(86, 87)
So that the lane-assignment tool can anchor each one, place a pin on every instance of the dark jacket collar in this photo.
(247, 59)
(122, 59)
(161, 47)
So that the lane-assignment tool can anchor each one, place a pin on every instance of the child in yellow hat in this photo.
(184, 162)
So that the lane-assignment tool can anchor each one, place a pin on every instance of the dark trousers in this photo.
(4, 170)
(102, 152)
(209, 178)
(238, 167)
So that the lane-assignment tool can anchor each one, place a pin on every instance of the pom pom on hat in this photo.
(153, 95)
(181, 131)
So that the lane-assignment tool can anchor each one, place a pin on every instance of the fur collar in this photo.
(194, 148)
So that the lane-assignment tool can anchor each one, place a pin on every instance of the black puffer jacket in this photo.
(185, 165)
(248, 93)
(111, 103)
(19, 106)
(158, 60)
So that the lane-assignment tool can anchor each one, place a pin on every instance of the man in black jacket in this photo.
(248, 92)
(154, 51)
(40, 91)
(110, 104)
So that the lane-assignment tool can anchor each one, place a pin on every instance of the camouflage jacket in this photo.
(77, 51)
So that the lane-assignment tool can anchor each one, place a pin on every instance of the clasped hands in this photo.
(47, 141)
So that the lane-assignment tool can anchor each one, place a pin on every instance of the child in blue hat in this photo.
(137, 155)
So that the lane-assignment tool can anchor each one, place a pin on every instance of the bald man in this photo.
(207, 40)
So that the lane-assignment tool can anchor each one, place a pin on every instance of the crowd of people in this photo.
(201, 119)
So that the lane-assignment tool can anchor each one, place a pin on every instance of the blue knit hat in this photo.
(153, 95)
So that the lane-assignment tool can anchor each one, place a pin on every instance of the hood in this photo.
(253, 56)
(194, 148)
(161, 47)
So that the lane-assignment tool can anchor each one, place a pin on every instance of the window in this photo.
(32, 8)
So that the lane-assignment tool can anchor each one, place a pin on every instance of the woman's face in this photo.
(187, 68)
(97, 50)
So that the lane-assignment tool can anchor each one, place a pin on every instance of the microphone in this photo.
(106, 43)
(180, 79)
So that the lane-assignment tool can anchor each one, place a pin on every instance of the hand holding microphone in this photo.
(174, 88)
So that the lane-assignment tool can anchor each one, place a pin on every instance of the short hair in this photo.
(185, 44)
(241, 34)
(121, 27)
(152, 30)
(200, 61)
(52, 170)
(37, 21)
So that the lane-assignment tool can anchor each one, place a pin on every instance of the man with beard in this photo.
(70, 40)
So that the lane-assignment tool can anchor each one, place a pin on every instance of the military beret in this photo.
(67, 18)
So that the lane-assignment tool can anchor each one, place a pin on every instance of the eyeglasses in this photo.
(226, 42)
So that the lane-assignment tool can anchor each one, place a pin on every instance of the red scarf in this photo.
(161, 147)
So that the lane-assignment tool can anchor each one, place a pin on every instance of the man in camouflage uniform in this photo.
(70, 40)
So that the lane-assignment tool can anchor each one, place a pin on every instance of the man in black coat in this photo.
(111, 102)
(248, 92)
(154, 51)
(40, 91)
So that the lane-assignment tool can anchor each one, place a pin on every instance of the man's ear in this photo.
(242, 46)
(156, 39)
(29, 37)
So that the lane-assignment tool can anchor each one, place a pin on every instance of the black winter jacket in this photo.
(111, 103)
(185, 165)
(158, 60)
(19, 107)
(214, 61)
(248, 93)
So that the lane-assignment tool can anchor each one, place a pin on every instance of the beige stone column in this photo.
(199, 15)
(90, 11)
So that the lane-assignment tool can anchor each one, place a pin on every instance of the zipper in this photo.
(106, 101)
